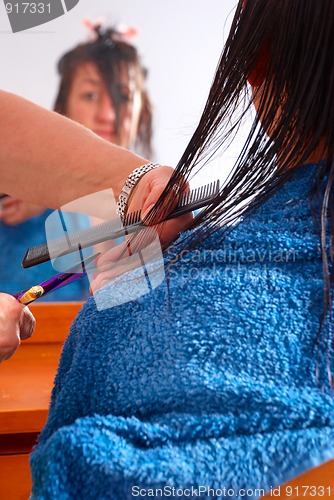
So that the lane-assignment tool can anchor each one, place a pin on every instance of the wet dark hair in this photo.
(109, 53)
(298, 38)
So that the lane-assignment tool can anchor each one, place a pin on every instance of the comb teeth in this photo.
(183, 199)
(36, 255)
(132, 218)
(202, 193)
(193, 200)
(72, 242)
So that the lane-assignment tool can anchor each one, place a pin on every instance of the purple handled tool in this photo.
(59, 280)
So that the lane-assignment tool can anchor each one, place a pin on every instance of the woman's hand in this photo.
(16, 323)
(14, 211)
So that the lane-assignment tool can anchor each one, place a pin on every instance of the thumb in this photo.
(27, 324)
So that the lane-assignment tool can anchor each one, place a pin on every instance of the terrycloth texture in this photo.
(14, 242)
(210, 384)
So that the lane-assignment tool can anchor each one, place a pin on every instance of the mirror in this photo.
(180, 44)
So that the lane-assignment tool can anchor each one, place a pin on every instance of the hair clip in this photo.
(118, 33)
(93, 27)
(124, 33)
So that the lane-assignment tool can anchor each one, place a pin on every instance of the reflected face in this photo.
(90, 104)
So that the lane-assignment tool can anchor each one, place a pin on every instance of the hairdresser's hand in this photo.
(139, 249)
(16, 324)
(126, 256)
(147, 193)
(14, 211)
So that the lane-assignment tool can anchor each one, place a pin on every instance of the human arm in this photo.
(49, 159)
(16, 324)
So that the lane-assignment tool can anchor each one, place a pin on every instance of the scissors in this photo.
(33, 293)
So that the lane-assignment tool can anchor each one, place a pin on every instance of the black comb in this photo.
(110, 230)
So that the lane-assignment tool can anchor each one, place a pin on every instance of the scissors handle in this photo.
(58, 281)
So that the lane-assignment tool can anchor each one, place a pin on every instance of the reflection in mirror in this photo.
(180, 53)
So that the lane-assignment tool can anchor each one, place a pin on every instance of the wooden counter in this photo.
(26, 381)
(315, 483)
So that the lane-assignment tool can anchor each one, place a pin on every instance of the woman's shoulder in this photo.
(283, 224)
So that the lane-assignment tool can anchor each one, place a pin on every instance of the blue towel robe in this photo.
(208, 381)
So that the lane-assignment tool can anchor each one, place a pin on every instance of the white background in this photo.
(179, 40)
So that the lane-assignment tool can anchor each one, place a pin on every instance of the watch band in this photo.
(130, 183)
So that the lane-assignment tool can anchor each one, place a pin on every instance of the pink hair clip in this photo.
(120, 32)
(91, 26)
(125, 33)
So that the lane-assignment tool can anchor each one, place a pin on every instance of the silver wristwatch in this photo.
(130, 183)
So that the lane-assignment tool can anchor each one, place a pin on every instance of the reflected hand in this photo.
(16, 323)
(14, 211)
(125, 256)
